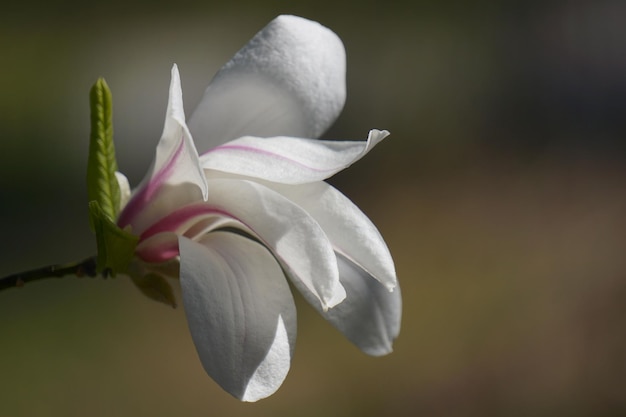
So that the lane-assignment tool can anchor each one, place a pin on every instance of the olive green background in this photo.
(500, 194)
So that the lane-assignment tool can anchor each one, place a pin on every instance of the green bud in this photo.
(116, 247)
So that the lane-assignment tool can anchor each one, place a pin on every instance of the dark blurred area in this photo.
(500, 194)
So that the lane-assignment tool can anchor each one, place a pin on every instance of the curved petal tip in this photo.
(309, 59)
(288, 80)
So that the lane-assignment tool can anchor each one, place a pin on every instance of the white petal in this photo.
(176, 138)
(175, 178)
(240, 313)
(350, 231)
(289, 80)
(124, 188)
(370, 315)
(294, 237)
(288, 160)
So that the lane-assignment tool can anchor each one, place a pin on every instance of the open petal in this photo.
(289, 80)
(240, 313)
(294, 237)
(370, 315)
(288, 160)
(175, 178)
(350, 231)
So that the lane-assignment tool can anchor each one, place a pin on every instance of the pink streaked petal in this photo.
(159, 248)
(288, 160)
(289, 232)
(181, 220)
(175, 178)
(146, 193)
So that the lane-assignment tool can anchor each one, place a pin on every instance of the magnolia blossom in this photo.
(251, 209)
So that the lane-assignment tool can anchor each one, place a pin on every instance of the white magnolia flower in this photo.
(235, 220)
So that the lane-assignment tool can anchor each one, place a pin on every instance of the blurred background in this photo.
(500, 194)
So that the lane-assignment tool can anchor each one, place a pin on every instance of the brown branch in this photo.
(79, 269)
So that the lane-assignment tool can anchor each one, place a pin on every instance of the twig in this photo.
(79, 269)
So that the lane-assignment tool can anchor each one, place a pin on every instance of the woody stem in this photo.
(86, 267)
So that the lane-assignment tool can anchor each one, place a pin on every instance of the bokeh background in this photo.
(500, 193)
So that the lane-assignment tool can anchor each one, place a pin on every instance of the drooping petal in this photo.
(370, 315)
(350, 231)
(240, 312)
(175, 178)
(288, 160)
(289, 80)
(294, 237)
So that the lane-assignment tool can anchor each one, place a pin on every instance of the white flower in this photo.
(250, 210)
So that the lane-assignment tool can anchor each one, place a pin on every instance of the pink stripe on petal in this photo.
(176, 219)
(258, 151)
(158, 253)
(144, 196)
